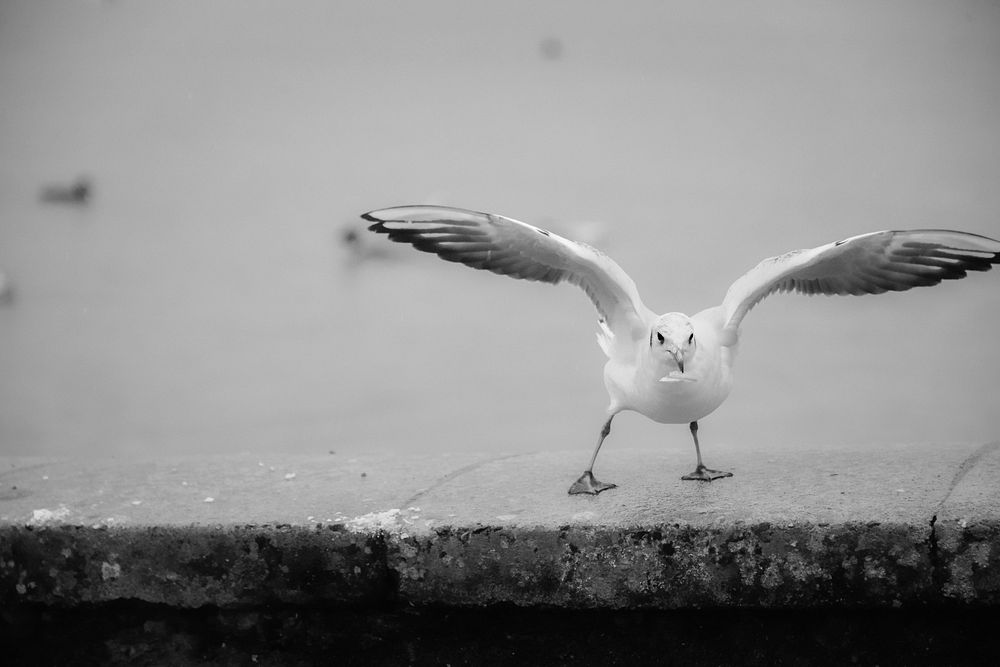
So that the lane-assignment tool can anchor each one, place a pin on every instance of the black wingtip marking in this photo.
(369, 216)
(378, 226)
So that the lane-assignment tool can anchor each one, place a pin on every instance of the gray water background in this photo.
(202, 301)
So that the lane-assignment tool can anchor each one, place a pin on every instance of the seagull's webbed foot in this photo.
(703, 474)
(587, 484)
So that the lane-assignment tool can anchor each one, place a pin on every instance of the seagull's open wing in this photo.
(516, 249)
(866, 264)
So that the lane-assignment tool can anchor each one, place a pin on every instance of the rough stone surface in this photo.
(848, 526)
(669, 566)
(192, 566)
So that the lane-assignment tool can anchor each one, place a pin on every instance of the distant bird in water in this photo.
(77, 193)
(359, 245)
(6, 289)
(551, 48)
(673, 368)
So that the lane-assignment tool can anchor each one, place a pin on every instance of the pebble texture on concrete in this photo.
(848, 526)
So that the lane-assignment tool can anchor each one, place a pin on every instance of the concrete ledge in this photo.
(886, 526)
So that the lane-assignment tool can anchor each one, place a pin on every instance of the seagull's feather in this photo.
(512, 248)
(867, 264)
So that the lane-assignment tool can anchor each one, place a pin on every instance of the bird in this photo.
(77, 193)
(6, 289)
(674, 368)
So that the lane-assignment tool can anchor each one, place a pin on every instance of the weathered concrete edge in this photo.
(668, 566)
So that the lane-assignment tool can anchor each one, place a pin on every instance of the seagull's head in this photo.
(672, 339)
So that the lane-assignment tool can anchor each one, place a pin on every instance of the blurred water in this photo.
(201, 301)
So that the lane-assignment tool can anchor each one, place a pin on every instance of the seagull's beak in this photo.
(678, 359)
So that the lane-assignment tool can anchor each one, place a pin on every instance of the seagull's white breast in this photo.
(635, 384)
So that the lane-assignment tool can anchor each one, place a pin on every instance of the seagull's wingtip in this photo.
(378, 220)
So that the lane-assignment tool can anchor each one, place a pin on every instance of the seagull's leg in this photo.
(702, 473)
(587, 483)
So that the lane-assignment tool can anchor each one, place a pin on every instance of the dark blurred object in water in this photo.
(77, 194)
(551, 48)
(360, 247)
(6, 289)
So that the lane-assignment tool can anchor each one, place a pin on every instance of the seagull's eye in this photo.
(659, 337)
(690, 339)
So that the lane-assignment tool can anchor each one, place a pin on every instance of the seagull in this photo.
(674, 368)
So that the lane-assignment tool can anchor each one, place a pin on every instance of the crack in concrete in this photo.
(937, 566)
(19, 469)
(444, 479)
(966, 467)
(938, 575)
